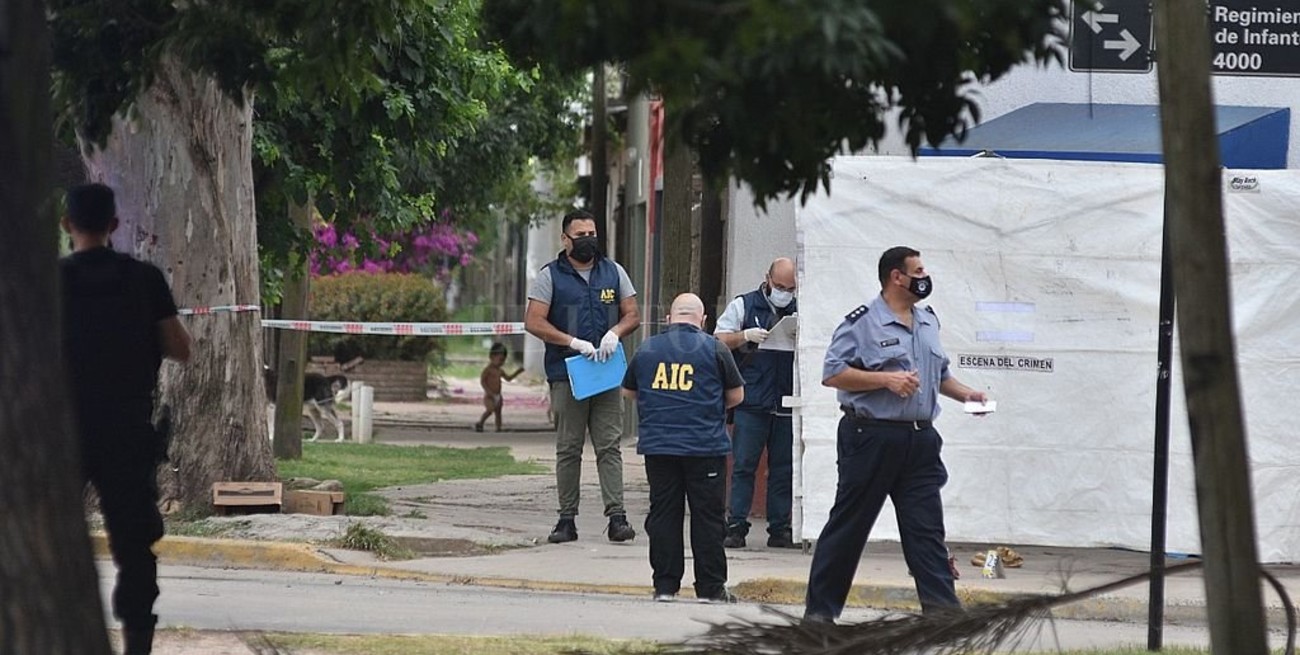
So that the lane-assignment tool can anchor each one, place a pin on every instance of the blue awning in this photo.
(1249, 137)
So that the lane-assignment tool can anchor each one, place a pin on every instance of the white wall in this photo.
(754, 239)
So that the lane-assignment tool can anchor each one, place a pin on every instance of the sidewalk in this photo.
(511, 517)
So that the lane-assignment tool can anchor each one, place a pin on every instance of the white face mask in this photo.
(780, 298)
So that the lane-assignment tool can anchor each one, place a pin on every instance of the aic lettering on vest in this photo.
(607, 296)
(678, 379)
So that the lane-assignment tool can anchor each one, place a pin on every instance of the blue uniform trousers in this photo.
(877, 460)
(676, 481)
(755, 431)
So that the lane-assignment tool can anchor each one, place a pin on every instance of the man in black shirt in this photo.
(119, 321)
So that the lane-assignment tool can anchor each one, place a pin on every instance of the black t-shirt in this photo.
(111, 308)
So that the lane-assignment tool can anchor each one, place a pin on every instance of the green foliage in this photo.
(384, 111)
(375, 297)
(361, 537)
(769, 90)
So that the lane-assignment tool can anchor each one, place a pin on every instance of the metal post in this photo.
(1160, 477)
(367, 413)
(356, 411)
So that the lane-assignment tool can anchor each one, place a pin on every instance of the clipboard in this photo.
(781, 336)
(588, 377)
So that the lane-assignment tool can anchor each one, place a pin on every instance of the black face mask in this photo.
(920, 286)
(585, 249)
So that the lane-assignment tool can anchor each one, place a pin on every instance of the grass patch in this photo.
(192, 521)
(366, 467)
(360, 537)
(415, 514)
(457, 645)
(458, 370)
(364, 504)
(200, 528)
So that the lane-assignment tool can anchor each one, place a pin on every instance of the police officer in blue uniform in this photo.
(583, 303)
(886, 361)
(683, 382)
(761, 423)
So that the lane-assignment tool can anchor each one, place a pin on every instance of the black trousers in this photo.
(674, 482)
(120, 460)
(875, 462)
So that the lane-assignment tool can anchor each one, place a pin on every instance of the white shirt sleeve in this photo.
(543, 287)
(733, 317)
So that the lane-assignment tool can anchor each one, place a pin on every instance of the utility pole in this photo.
(292, 350)
(600, 157)
(1204, 318)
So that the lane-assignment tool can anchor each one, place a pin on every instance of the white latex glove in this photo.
(756, 335)
(608, 344)
(584, 348)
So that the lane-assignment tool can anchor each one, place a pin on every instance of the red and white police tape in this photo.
(398, 329)
(218, 309)
(354, 327)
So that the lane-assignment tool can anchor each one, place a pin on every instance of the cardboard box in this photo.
(246, 497)
(319, 503)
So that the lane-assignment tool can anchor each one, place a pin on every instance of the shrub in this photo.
(375, 298)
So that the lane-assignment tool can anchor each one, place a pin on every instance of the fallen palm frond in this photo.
(977, 629)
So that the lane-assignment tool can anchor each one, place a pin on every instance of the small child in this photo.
(490, 379)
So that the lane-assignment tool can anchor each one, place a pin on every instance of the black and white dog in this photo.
(318, 394)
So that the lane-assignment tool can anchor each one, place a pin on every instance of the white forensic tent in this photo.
(1047, 279)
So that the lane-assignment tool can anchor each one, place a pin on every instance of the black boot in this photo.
(782, 539)
(565, 530)
(619, 529)
(735, 536)
(138, 641)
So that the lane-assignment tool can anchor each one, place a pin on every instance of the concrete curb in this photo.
(295, 557)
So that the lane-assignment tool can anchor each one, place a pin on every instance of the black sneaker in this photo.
(618, 529)
(781, 539)
(565, 530)
(735, 537)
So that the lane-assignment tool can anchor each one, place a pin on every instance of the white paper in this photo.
(781, 336)
(977, 407)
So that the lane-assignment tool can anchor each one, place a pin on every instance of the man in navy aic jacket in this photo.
(684, 381)
(583, 303)
(761, 423)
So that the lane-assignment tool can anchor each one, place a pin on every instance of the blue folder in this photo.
(588, 377)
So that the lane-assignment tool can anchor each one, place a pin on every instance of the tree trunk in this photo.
(1204, 317)
(182, 170)
(292, 351)
(49, 590)
(676, 263)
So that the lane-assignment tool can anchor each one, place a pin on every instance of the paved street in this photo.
(227, 599)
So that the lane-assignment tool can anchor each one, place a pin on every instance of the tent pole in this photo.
(1160, 478)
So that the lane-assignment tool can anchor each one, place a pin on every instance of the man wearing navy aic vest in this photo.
(583, 303)
(761, 422)
(684, 381)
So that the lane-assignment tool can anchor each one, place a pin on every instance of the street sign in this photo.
(1111, 36)
(1248, 40)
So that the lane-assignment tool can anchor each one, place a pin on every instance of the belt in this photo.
(867, 419)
